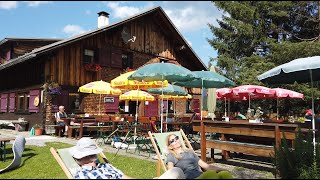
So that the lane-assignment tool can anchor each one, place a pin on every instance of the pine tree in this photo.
(255, 36)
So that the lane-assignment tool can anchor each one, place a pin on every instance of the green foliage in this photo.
(255, 36)
(37, 126)
(39, 163)
(299, 161)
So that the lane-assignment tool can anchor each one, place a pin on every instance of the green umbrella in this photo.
(169, 90)
(160, 72)
(301, 70)
(206, 79)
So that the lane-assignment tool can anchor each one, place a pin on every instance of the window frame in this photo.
(93, 58)
(127, 62)
(22, 108)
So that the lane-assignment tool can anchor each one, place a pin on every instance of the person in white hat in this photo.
(85, 153)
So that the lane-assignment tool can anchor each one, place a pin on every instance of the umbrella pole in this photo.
(135, 123)
(161, 110)
(201, 98)
(313, 120)
(228, 107)
(225, 107)
(249, 101)
(277, 108)
(99, 104)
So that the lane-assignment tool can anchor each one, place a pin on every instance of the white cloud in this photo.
(36, 3)
(120, 11)
(73, 30)
(8, 4)
(192, 16)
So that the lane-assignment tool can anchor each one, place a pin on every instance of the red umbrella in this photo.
(285, 93)
(253, 92)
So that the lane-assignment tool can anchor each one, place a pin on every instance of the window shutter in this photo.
(4, 103)
(112, 107)
(116, 58)
(104, 56)
(12, 102)
(33, 94)
(151, 109)
(195, 105)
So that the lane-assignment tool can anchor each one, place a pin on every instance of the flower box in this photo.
(92, 67)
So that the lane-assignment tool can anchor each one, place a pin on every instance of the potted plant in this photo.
(38, 129)
(117, 116)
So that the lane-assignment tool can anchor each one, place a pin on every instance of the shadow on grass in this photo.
(248, 161)
(29, 155)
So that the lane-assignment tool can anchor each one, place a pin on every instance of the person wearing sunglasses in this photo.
(185, 159)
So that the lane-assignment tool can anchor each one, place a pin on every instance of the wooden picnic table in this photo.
(3, 141)
(76, 122)
(247, 137)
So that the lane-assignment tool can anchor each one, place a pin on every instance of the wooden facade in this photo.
(64, 63)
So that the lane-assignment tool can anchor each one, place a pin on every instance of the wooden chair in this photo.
(67, 162)
(158, 141)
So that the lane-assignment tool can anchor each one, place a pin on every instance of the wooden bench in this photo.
(58, 129)
(245, 137)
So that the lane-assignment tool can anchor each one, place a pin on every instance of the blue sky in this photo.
(63, 19)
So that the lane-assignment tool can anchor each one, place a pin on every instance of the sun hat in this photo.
(85, 147)
(309, 111)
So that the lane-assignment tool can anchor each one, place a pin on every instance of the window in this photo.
(188, 106)
(127, 61)
(23, 102)
(88, 56)
(74, 102)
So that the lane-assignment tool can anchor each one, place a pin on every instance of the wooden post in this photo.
(277, 136)
(203, 143)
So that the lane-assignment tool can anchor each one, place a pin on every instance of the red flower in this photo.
(92, 67)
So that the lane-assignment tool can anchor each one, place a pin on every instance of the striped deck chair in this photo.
(66, 161)
(158, 141)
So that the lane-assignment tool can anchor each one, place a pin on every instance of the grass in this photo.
(39, 163)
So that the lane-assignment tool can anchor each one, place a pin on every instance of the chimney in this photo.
(103, 19)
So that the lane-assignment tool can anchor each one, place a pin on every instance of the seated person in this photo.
(85, 154)
(240, 116)
(308, 114)
(186, 160)
(61, 114)
(153, 127)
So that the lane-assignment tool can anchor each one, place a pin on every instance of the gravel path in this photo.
(239, 172)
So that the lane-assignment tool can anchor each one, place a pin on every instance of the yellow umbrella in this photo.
(171, 97)
(137, 95)
(99, 87)
(122, 82)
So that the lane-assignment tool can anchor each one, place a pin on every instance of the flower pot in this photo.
(38, 131)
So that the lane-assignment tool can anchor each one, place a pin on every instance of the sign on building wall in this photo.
(109, 99)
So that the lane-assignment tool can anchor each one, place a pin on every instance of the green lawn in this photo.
(38, 162)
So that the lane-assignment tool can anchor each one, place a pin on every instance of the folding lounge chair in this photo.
(17, 149)
(159, 140)
(66, 161)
